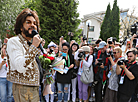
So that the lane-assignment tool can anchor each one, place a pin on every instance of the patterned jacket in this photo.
(22, 66)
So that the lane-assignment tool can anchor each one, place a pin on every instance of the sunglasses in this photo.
(114, 52)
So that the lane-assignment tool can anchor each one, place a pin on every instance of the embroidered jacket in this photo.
(22, 67)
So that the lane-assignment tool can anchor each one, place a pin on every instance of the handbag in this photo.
(87, 74)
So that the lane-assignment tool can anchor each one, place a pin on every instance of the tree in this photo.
(57, 18)
(105, 27)
(9, 10)
(114, 21)
(126, 24)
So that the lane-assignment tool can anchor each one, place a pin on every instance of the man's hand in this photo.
(102, 66)
(36, 40)
(96, 62)
(123, 66)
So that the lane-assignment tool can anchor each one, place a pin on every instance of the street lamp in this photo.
(88, 32)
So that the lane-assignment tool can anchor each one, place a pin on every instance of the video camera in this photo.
(100, 61)
(112, 40)
(80, 55)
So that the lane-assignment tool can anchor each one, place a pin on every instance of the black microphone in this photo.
(34, 32)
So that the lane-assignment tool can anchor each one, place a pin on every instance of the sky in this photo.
(91, 6)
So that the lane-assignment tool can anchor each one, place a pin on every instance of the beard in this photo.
(26, 32)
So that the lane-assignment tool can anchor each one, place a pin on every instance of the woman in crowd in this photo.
(63, 80)
(111, 90)
(74, 48)
(5, 85)
(85, 61)
(90, 88)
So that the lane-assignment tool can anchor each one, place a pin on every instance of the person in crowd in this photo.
(61, 41)
(112, 83)
(127, 48)
(51, 48)
(90, 87)
(43, 43)
(63, 80)
(101, 66)
(117, 44)
(51, 52)
(134, 41)
(22, 69)
(71, 42)
(5, 85)
(87, 61)
(97, 45)
(74, 48)
(83, 42)
(128, 73)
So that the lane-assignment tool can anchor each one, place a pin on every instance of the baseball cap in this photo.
(102, 44)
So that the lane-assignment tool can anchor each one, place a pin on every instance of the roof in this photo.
(96, 14)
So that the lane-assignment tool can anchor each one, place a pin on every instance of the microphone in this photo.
(34, 32)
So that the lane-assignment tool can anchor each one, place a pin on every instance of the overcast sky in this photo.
(91, 6)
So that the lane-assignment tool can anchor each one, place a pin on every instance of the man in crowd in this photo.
(100, 70)
(22, 49)
(128, 76)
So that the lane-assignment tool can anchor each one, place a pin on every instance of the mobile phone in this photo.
(63, 54)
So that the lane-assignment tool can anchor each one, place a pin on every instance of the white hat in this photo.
(52, 44)
(84, 48)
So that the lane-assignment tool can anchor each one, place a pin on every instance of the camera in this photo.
(112, 40)
(109, 52)
(80, 55)
(100, 61)
(84, 38)
(51, 50)
(134, 28)
(96, 50)
(120, 62)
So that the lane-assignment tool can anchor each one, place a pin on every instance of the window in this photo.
(91, 28)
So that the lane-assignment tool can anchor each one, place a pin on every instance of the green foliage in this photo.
(9, 10)
(115, 20)
(57, 18)
(110, 26)
(105, 27)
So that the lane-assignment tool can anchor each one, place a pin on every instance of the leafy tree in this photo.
(105, 27)
(57, 18)
(9, 10)
(114, 21)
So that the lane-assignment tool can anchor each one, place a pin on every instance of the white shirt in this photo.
(86, 63)
(3, 70)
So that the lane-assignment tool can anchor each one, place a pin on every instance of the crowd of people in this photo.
(114, 75)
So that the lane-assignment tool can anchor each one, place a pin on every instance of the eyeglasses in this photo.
(74, 46)
(64, 49)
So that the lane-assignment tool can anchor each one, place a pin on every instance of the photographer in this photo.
(83, 41)
(100, 70)
(133, 41)
(128, 76)
(86, 60)
(111, 90)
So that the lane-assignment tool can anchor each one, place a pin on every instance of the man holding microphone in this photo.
(22, 49)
